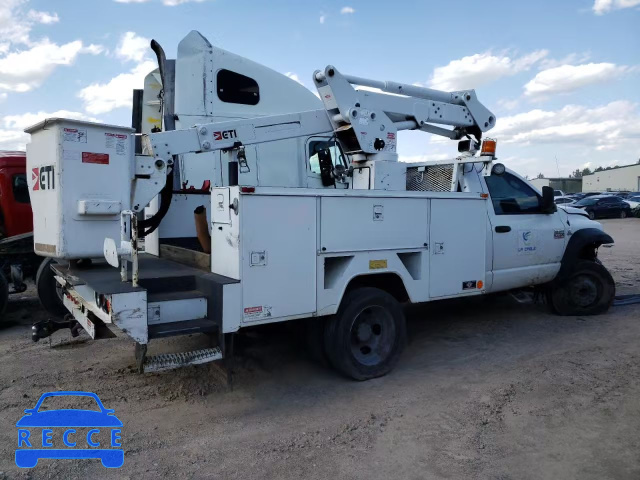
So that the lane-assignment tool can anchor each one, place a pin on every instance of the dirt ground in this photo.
(487, 388)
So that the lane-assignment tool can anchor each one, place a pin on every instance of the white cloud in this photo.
(600, 7)
(570, 59)
(3, 97)
(21, 71)
(103, 97)
(611, 126)
(476, 70)
(323, 17)
(14, 26)
(567, 78)
(294, 76)
(43, 17)
(12, 136)
(508, 104)
(133, 47)
(347, 10)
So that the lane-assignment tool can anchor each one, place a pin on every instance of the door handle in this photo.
(503, 229)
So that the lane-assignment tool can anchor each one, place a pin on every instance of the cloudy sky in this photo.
(561, 76)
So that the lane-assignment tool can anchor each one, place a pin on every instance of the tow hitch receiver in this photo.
(46, 328)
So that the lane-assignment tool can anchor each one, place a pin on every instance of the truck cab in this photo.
(15, 208)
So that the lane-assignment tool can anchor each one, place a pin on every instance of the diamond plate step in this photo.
(168, 361)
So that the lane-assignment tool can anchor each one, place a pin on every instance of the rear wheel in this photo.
(368, 334)
(588, 290)
(49, 291)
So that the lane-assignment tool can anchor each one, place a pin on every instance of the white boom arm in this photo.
(367, 122)
(364, 122)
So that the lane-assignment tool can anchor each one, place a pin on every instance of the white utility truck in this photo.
(311, 215)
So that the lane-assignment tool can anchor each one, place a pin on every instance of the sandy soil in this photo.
(487, 388)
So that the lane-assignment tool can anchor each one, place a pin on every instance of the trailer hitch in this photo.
(46, 328)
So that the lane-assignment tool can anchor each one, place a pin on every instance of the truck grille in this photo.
(435, 178)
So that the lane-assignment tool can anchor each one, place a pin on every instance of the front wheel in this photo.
(592, 215)
(366, 337)
(588, 290)
(623, 214)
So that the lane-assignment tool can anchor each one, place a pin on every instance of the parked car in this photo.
(576, 196)
(565, 201)
(558, 193)
(602, 206)
(591, 194)
(633, 201)
(619, 194)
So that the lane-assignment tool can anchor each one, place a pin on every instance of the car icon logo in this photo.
(69, 433)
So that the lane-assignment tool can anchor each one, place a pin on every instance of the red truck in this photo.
(17, 258)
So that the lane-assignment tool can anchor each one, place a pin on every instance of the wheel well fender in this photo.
(582, 245)
(389, 282)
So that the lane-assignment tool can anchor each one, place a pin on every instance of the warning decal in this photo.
(99, 158)
(117, 141)
(78, 135)
(254, 313)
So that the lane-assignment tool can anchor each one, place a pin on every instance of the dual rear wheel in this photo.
(366, 336)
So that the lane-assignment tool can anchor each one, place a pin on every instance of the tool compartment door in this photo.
(458, 236)
(278, 239)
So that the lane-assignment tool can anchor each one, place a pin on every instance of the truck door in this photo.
(527, 244)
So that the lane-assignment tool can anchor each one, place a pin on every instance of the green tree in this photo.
(586, 171)
(540, 175)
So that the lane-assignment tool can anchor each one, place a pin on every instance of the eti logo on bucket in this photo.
(69, 433)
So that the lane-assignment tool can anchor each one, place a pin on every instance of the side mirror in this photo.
(326, 167)
(548, 204)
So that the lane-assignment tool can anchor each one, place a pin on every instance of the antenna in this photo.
(557, 166)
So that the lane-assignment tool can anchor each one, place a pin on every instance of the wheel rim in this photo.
(623, 214)
(372, 335)
(592, 215)
(584, 290)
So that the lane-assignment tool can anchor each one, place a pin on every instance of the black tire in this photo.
(4, 294)
(49, 291)
(623, 214)
(366, 337)
(592, 215)
(588, 290)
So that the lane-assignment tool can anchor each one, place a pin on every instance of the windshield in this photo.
(587, 201)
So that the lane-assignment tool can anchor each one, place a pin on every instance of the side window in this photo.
(20, 188)
(316, 145)
(512, 196)
(236, 88)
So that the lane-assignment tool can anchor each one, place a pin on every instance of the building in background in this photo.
(626, 179)
(566, 184)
